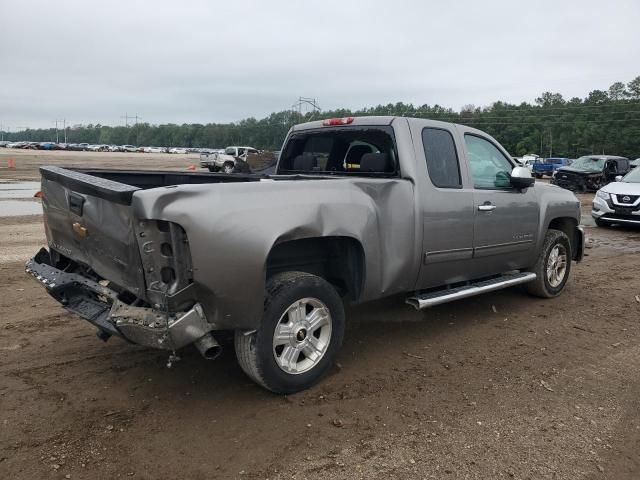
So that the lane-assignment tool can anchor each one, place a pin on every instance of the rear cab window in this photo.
(442, 158)
(353, 150)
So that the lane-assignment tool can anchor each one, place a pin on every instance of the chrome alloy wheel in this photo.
(557, 265)
(302, 335)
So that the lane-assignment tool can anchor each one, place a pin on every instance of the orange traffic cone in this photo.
(191, 167)
(11, 163)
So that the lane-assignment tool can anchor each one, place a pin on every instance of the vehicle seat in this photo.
(305, 162)
(354, 157)
(376, 162)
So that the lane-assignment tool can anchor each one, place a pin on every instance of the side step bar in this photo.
(431, 299)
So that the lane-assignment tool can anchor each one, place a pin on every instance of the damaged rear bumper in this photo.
(101, 306)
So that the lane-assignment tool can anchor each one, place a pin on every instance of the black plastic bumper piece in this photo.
(78, 294)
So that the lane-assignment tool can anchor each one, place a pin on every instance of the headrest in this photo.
(305, 162)
(356, 153)
(375, 162)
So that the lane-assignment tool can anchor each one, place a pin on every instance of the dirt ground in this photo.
(498, 386)
(28, 161)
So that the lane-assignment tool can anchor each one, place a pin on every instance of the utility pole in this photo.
(310, 103)
(550, 143)
(137, 131)
(126, 120)
(23, 128)
(57, 140)
(64, 125)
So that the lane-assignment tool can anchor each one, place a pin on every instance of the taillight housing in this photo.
(331, 122)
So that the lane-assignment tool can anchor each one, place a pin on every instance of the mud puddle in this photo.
(18, 189)
(13, 208)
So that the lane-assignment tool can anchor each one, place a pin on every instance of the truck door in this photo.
(506, 219)
(445, 206)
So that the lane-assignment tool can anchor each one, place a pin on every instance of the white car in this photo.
(178, 150)
(154, 150)
(97, 148)
(619, 201)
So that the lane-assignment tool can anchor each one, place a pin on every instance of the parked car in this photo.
(97, 148)
(619, 201)
(129, 148)
(15, 144)
(225, 162)
(178, 150)
(155, 150)
(428, 209)
(591, 172)
(529, 159)
(549, 165)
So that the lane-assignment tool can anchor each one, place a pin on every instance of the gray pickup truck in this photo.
(358, 209)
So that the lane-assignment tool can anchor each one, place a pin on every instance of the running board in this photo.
(431, 299)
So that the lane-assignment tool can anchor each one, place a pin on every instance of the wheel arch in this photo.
(340, 260)
(569, 226)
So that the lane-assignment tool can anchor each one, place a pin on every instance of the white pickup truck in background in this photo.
(225, 162)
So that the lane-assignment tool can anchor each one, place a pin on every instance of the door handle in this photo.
(487, 207)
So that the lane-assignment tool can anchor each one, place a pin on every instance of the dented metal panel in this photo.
(232, 228)
(100, 234)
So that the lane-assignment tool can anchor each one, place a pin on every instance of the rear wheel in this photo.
(212, 169)
(553, 266)
(538, 175)
(301, 331)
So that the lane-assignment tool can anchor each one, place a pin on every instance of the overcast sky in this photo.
(214, 61)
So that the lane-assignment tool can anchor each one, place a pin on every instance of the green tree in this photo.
(617, 91)
(633, 87)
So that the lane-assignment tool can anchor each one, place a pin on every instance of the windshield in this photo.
(633, 176)
(590, 164)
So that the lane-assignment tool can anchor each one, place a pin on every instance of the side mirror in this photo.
(618, 178)
(521, 178)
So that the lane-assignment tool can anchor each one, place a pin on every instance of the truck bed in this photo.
(119, 185)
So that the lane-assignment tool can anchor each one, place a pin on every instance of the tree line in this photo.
(606, 121)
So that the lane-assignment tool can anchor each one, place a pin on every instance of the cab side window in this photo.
(490, 169)
(442, 158)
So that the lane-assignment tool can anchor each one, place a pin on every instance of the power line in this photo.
(494, 108)
(479, 122)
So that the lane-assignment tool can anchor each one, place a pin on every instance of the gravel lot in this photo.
(498, 386)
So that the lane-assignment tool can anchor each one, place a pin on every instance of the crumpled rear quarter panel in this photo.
(232, 227)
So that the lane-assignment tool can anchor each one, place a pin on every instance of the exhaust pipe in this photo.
(208, 347)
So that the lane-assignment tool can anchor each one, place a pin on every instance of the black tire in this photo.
(541, 286)
(228, 167)
(213, 169)
(538, 175)
(256, 352)
(602, 223)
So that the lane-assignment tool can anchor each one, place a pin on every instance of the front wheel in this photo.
(301, 331)
(228, 168)
(553, 266)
